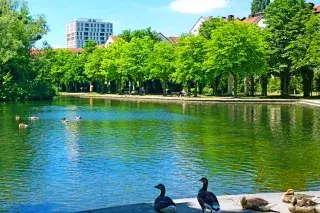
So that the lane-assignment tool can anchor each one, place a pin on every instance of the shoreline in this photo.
(180, 99)
(211, 100)
(228, 203)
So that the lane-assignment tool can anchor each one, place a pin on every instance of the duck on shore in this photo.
(23, 126)
(206, 199)
(256, 204)
(17, 117)
(305, 206)
(164, 204)
(290, 195)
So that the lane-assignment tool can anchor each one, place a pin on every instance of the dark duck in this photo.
(206, 199)
(164, 204)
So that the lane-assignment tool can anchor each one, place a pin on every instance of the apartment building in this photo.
(81, 30)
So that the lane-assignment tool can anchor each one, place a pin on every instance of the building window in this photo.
(101, 34)
(86, 25)
(102, 25)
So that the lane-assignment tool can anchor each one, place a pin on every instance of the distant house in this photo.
(257, 19)
(317, 9)
(111, 40)
(34, 52)
(168, 39)
(196, 28)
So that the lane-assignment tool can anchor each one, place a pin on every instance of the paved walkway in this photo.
(315, 103)
(183, 99)
(229, 204)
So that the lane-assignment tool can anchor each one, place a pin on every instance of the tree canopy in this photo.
(237, 48)
(286, 22)
(258, 6)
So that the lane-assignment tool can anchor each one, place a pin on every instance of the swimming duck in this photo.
(305, 207)
(78, 118)
(33, 118)
(164, 204)
(206, 199)
(64, 120)
(23, 126)
(256, 204)
(289, 196)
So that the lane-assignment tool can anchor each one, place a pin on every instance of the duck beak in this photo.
(156, 187)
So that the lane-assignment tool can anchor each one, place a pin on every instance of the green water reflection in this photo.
(122, 148)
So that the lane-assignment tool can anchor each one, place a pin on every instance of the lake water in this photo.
(122, 149)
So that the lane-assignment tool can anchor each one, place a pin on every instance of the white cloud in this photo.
(197, 6)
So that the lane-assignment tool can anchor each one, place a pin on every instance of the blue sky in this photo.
(171, 17)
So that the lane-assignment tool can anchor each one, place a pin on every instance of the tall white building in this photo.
(81, 30)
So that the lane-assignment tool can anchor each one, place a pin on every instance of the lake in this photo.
(121, 149)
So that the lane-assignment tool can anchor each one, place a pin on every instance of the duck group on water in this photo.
(35, 118)
(297, 203)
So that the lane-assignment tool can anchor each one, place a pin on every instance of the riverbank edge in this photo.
(158, 98)
(228, 203)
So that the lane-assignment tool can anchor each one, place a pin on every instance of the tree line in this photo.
(284, 56)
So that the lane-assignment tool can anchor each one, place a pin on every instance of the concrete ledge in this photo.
(229, 204)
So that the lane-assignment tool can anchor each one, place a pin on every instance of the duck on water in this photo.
(206, 199)
(164, 204)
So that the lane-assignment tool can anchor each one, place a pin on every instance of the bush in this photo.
(208, 91)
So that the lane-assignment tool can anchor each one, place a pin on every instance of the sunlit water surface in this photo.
(120, 150)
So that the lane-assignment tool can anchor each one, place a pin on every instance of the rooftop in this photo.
(93, 20)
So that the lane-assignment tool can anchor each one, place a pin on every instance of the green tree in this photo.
(128, 35)
(113, 63)
(190, 57)
(304, 52)
(93, 70)
(19, 31)
(162, 63)
(286, 22)
(137, 54)
(258, 6)
(237, 48)
(208, 26)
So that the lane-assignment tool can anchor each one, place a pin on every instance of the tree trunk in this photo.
(230, 83)
(235, 86)
(76, 87)
(216, 85)
(252, 90)
(264, 84)
(164, 88)
(91, 87)
(195, 89)
(285, 80)
(307, 79)
(246, 86)
(201, 88)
